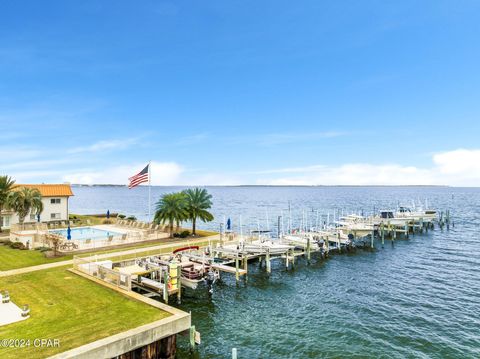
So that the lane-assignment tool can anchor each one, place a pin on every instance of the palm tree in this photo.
(198, 202)
(24, 201)
(6, 186)
(171, 209)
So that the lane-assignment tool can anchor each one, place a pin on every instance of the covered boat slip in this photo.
(155, 275)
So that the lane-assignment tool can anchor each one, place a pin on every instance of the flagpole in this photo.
(149, 190)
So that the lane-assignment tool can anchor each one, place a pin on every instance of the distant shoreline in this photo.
(253, 185)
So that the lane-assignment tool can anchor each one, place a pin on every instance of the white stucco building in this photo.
(55, 205)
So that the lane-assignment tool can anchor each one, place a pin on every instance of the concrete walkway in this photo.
(108, 255)
(10, 313)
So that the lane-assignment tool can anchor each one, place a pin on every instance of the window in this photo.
(54, 215)
(5, 221)
(55, 201)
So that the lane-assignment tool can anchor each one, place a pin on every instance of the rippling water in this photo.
(417, 299)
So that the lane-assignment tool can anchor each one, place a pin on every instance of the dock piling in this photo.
(179, 285)
(165, 286)
(382, 232)
(192, 337)
(267, 260)
(237, 274)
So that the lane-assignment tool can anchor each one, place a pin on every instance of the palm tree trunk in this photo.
(194, 223)
(1, 209)
(170, 227)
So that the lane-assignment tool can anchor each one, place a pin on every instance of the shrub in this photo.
(132, 218)
(183, 234)
(6, 242)
(121, 216)
(42, 249)
(17, 245)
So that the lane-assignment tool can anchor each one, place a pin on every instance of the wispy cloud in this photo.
(36, 164)
(162, 173)
(284, 138)
(9, 153)
(193, 139)
(281, 138)
(459, 167)
(106, 145)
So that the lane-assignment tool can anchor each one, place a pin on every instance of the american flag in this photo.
(140, 177)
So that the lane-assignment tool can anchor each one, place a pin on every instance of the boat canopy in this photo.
(386, 214)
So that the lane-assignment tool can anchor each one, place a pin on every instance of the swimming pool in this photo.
(82, 233)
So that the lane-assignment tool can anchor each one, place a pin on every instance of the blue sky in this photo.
(241, 92)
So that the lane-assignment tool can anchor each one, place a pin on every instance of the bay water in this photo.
(418, 298)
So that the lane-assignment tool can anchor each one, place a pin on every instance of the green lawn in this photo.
(70, 308)
(16, 258)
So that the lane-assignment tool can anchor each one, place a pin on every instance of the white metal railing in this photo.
(126, 238)
(99, 270)
(37, 226)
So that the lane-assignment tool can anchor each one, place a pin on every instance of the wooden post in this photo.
(373, 237)
(394, 234)
(245, 266)
(406, 229)
(179, 284)
(267, 260)
(234, 353)
(382, 232)
(192, 337)
(165, 286)
(286, 260)
(293, 258)
(237, 274)
(421, 225)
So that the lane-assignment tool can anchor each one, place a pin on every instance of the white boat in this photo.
(302, 239)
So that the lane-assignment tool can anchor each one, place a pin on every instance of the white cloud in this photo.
(355, 174)
(162, 173)
(461, 162)
(459, 167)
(107, 145)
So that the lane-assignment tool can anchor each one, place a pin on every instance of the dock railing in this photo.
(97, 269)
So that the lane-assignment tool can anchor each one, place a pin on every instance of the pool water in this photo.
(83, 233)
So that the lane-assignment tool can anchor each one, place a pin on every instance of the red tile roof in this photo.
(50, 190)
